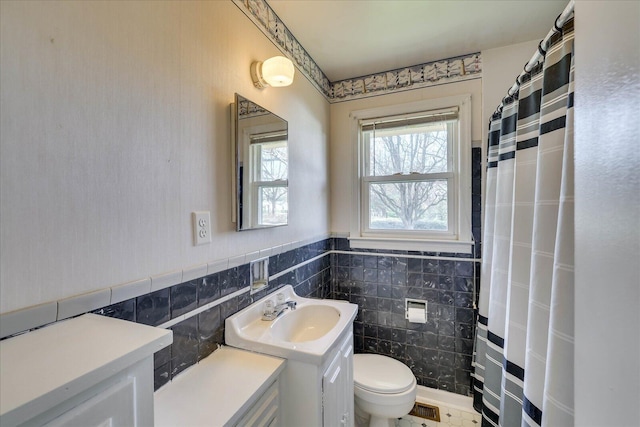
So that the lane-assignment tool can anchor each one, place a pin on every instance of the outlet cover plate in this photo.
(201, 227)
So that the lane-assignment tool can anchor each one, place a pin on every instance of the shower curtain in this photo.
(524, 345)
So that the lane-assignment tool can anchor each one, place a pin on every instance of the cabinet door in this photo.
(337, 388)
(346, 365)
(333, 393)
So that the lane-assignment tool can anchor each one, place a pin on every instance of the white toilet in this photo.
(384, 388)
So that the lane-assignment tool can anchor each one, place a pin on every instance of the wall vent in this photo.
(426, 411)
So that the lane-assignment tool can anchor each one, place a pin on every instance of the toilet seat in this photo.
(381, 374)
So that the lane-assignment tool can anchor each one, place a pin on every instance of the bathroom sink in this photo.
(306, 323)
(305, 333)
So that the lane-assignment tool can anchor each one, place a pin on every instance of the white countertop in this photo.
(216, 391)
(45, 367)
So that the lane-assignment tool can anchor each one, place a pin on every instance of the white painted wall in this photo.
(115, 127)
(607, 215)
(342, 167)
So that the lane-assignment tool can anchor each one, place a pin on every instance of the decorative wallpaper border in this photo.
(414, 77)
(272, 26)
(417, 76)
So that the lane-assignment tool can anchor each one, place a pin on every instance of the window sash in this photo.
(257, 160)
(276, 183)
(256, 199)
(367, 138)
(401, 177)
(449, 233)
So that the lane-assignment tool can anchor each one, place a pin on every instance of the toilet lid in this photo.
(381, 374)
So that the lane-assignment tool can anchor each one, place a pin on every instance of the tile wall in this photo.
(197, 336)
(439, 351)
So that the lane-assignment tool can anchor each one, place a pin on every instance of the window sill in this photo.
(453, 246)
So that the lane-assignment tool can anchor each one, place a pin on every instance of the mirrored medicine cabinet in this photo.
(261, 166)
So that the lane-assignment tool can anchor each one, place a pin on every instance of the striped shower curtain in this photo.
(524, 345)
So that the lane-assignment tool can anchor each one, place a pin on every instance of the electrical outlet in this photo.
(201, 227)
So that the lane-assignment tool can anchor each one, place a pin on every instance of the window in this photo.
(414, 177)
(269, 174)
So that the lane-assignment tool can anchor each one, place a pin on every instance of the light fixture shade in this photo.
(277, 72)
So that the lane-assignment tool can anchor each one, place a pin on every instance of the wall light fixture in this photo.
(277, 72)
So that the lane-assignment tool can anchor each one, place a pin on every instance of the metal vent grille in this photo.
(426, 411)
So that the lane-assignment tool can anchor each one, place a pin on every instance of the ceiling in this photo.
(352, 38)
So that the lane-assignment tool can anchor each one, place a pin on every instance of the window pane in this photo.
(417, 205)
(272, 203)
(419, 148)
(273, 160)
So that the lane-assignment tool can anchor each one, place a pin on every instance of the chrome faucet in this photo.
(272, 313)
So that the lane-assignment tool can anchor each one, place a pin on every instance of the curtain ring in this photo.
(541, 50)
(525, 68)
(555, 25)
(517, 84)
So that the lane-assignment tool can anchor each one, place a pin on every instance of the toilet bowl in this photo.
(384, 388)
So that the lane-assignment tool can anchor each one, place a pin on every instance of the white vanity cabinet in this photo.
(88, 371)
(320, 395)
(315, 336)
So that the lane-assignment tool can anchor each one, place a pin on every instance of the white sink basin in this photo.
(307, 323)
(304, 334)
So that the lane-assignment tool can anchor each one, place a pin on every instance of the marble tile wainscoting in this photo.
(199, 334)
(439, 352)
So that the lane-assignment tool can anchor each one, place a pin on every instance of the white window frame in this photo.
(459, 238)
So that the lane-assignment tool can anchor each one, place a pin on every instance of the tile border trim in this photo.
(205, 307)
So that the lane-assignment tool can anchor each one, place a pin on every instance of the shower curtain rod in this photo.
(541, 51)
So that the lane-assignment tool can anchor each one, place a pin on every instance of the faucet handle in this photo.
(280, 298)
(268, 308)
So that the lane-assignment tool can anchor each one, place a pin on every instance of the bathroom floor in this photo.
(448, 417)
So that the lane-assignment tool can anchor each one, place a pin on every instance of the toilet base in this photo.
(382, 422)
(364, 419)
(361, 418)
